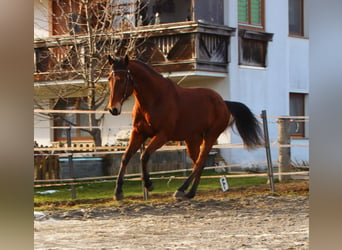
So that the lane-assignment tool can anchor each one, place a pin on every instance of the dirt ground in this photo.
(249, 218)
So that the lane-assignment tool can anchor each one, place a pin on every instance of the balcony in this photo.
(189, 46)
(171, 48)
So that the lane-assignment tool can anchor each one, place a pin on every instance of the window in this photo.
(253, 41)
(169, 11)
(297, 108)
(42, 57)
(296, 15)
(253, 52)
(209, 11)
(124, 17)
(66, 17)
(251, 14)
(253, 47)
(61, 120)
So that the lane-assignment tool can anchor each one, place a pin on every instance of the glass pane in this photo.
(243, 11)
(297, 109)
(84, 121)
(62, 120)
(256, 12)
(169, 11)
(209, 11)
(73, 118)
(295, 17)
(83, 118)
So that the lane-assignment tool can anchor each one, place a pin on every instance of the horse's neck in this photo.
(148, 85)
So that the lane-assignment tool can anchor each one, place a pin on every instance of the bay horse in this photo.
(164, 111)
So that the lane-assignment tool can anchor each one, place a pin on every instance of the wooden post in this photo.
(44, 168)
(38, 168)
(185, 166)
(268, 150)
(284, 140)
(57, 176)
(145, 191)
(50, 166)
(71, 166)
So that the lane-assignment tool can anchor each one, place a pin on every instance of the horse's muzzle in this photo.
(115, 111)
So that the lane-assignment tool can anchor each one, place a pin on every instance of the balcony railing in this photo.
(172, 47)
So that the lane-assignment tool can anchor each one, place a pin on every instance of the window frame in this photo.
(302, 124)
(301, 20)
(248, 24)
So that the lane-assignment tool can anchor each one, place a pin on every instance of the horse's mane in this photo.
(152, 70)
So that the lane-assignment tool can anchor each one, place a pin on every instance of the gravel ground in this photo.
(257, 221)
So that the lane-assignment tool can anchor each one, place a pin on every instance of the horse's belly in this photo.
(198, 123)
(183, 131)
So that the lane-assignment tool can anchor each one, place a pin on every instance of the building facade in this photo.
(251, 51)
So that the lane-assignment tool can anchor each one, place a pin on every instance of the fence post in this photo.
(70, 162)
(145, 191)
(284, 140)
(268, 150)
(185, 166)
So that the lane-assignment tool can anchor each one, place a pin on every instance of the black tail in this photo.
(246, 123)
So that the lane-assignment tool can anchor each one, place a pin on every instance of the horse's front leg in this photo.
(155, 143)
(134, 144)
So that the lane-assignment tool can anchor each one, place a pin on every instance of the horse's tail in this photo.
(246, 123)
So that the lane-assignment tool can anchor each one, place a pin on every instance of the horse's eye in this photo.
(119, 80)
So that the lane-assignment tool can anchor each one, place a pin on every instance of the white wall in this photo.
(299, 65)
(42, 133)
(113, 124)
(268, 88)
(41, 24)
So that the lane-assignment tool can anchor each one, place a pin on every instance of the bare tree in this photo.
(81, 34)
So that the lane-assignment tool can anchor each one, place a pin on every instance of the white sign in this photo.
(224, 184)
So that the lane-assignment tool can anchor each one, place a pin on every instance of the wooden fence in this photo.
(47, 165)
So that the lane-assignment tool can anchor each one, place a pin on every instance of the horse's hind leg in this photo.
(199, 166)
(134, 144)
(193, 148)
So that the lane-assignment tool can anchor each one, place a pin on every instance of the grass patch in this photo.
(104, 190)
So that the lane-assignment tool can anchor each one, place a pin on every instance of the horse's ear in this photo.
(110, 60)
(126, 60)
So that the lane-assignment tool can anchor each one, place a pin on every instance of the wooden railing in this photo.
(190, 46)
(183, 46)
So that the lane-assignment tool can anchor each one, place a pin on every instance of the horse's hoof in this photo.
(119, 196)
(149, 186)
(189, 196)
(179, 195)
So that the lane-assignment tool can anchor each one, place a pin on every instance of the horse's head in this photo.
(120, 84)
